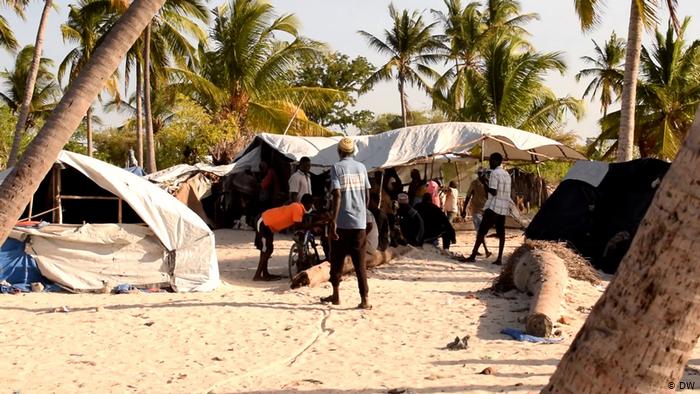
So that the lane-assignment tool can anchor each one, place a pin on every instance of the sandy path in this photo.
(263, 338)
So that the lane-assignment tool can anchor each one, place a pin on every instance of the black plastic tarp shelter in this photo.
(598, 207)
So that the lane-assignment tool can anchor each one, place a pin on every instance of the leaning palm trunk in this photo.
(139, 114)
(640, 334)
(24, 179)
(88, 126)
(29, 85)
(150, 144)
(625, 140)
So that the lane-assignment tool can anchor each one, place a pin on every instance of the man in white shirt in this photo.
(496, 208)
(300, 181)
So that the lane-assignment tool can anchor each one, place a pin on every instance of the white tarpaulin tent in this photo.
(188, 252)
(406, 145)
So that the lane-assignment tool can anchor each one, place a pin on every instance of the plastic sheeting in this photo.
(16, 266)
(181, 232)
(83, 258)
(406, 145)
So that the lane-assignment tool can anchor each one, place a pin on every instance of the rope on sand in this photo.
(286, 362)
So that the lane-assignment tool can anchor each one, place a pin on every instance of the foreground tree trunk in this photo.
(625, 139)
(23, 181)
(139, 114)
(88, 126)
(150, 144)
(29, 85)
(640, 334)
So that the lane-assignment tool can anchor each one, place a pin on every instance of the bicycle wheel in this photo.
(294, 260)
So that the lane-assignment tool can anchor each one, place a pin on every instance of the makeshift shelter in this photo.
(598, 207)
(136, 233)
(407, 145)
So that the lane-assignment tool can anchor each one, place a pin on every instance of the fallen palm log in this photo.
(542, 269)
(322, 273)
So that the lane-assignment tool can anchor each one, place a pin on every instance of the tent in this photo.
(407, 145)
(598, 207)
(136, 233)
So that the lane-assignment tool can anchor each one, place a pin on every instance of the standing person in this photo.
(451, 199)
(410, 222)
(273, 221)
(433, 189)
(350, 185)
(269, 185)
(477, 196)
(300, 181)
(416, 188)
(496, 208)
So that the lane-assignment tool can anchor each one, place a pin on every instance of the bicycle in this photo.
(304, 253)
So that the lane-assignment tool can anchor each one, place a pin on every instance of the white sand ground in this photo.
(264, 338)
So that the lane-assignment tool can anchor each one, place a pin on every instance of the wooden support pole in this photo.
(119, 212)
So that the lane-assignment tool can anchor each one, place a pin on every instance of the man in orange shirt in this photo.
(273, 221)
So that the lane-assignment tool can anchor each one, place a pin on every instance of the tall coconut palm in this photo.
(469, 30)
(7, 37)
(46, 90)
(668, 95)
(166, 40)
(606, 70)
(31, 79)
(508, 89)
(642, 12)
(412, 48)
(23, 180)
(642, 331)
(85, 28)
(247, 73)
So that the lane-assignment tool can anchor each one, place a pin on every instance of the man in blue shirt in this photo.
(350, 186)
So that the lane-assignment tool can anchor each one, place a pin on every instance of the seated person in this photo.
(436, 224)
(273, 221)
(372, 233)
(410, 222)
(381, 220)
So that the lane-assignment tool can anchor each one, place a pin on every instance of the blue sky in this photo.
(336, 22)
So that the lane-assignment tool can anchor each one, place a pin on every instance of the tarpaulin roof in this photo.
(403, 146)
(178, 228)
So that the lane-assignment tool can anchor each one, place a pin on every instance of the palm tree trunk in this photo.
(23, 181)
(402, 93)
(629, 88)
(139, 114)
(640, 334)
(88, 126)
(29, 85)
(150, 144)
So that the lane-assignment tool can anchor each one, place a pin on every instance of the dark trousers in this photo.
(491, 219)
(354, 244)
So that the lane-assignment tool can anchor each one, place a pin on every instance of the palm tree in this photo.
(23, 180)
(642, 331)
(469, 31)
(248, 72)
(169, 31)
(606, 70)
(508, 89)
(642, 12)
(668, 95)
(46, 88)
(31, 80)
(7, 37)
(412, 49)
(85, 29)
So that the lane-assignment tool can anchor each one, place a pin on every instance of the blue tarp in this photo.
(136, 170)
(17, 267)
